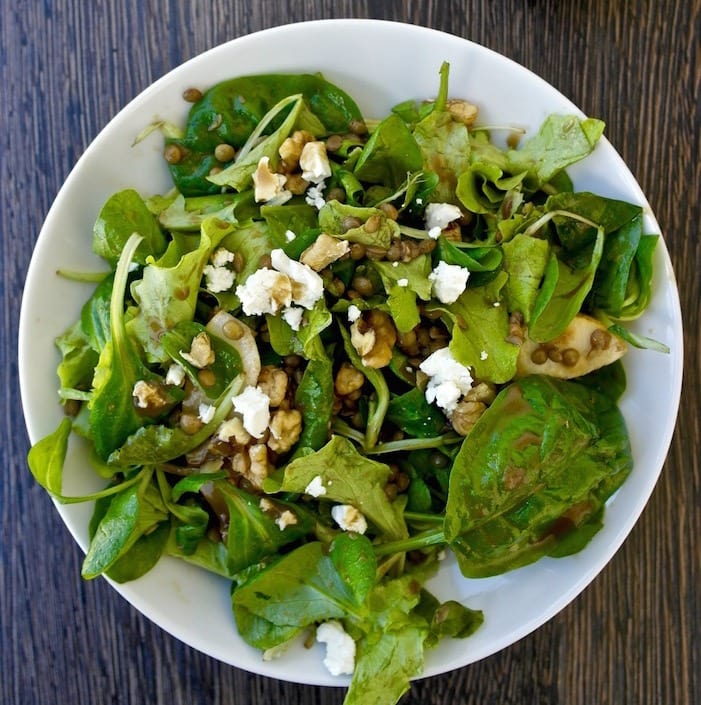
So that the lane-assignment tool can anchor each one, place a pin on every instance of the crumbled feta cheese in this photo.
(349, 518)
(218, 279)
(175, 375)
(419, 201)
(200, 354)
(307, 285)
(287, 518)
(395, 263)
(354, 313)
(449, 281)
(448, 379)
(315, 196)
(403, 282)
(266, 505)
(340, 648)
(316, 487)
(254, 405)
(484, 355)
(435, 233)
(496, 304)
(233, 429)
(265, 291)
(440, 215)
(267, 184)
(293, 316)
(289, 235)
(206, 413)
(314, 162)
(221, 257)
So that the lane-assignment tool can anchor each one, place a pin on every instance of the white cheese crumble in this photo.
(289, 235)
(484, 355)
(221, 257)
(340, 648)
(395, 263)
(307, 285)
(434, 233)
(293, 316)
(265, 291)
(175, 375)
(316, 487)
(144, 393)
(287, 518)
(254, 405)
(449, 281)
(218, 279)
(448, 379)
(315, 196)
(349, 518)
(314, 162)
(403, 282)
(269, 186)
(206, 413)
(354, 313)
(440, 215)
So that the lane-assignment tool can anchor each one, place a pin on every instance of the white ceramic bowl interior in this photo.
(379, 64)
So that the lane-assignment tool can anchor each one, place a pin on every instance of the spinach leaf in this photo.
(565, 298)
(291, 217)
(483, 262)
(539, 464)
(46, 457)
(389, 155)
(95, 315)
(314, 398)
(132, 513)
(227, 361)
(123, 214)
(525, 260)
(640, 281)
(252, 533)
(401, 302)
(349, 478)
(415, 416)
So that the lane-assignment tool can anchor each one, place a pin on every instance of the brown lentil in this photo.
(373, 223)
(238, 262)
(224, 152)
(539, 356)
(190, 424)
(192, 95)
(173, 154)
(293, 361)
(570, 357)
(296, 184)
(394, 252)
(357, 251)
(233, 330)
(555, 354)
(206, 377)
(334, 143)
(336, 194)
(376, 253)
(389, 210)
(350, 222)
(600, 339)
(363, 285)
(358, 127)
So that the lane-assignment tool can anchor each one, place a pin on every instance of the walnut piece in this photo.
(201, 353)
(267, 184)
(463, 111)
(373, 336)
(465, 416)
(291, 149)
(348, 380)
(285, 429)
(323, 252)
(273, 382)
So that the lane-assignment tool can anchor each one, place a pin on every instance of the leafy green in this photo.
(375, 228)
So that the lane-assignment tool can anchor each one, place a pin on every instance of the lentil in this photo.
(192, 95)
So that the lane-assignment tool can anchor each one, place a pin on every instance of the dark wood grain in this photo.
(68, 66)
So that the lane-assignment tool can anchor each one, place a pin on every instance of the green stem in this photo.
(424, 518)
(431, 537)
(86, 277)
(414, 444)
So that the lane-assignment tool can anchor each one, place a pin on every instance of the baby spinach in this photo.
(414, 415)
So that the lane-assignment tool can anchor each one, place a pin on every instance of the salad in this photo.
(340, 347)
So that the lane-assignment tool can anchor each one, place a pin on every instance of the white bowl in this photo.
(379, 64)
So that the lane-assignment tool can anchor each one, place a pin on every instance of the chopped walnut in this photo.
(463, 111)
(291, 149)
(267, 184)
(484, 392)
(232, 430)
(323, 252)
(273, 382)
(259, 467)
(465, 416)
(285, 429)
(149, 396)
(348, 380)
(373, 336)
(201, 353)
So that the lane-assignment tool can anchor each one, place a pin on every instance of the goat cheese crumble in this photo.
(316, 487)
(448, 379)
(440, 215)
(340, 648)
(218, 279)
(349, 518)
(254, 406)
(449, 281)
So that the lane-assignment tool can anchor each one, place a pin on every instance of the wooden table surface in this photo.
(68, 66)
